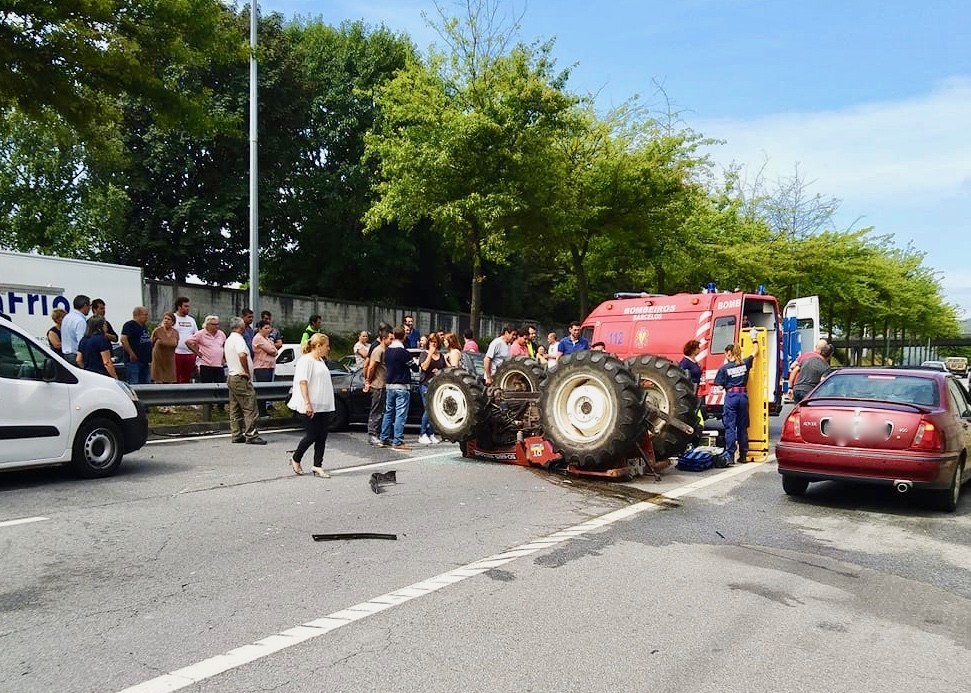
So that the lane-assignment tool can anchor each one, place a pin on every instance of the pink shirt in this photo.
(470, 345)
(264, 353)
(517, 349)
(209, 346)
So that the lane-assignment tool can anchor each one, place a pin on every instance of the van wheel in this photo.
(456, 404)
(521, 374)
(97, 449)
(667, 388)
(591, 408)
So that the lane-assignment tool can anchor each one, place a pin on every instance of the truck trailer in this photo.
(32, 286)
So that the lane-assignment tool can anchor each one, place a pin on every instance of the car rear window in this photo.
(892, 388)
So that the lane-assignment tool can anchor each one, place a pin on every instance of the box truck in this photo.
(32, 286)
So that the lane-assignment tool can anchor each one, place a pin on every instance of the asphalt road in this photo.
(501, 579)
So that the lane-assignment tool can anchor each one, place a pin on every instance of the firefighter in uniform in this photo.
(733, 376)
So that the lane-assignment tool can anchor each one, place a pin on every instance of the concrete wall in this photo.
(339, 317)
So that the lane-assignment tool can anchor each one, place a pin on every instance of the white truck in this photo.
(32, 286)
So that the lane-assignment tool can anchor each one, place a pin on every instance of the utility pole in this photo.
(254, 229)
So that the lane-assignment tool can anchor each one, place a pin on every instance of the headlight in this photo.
(128, 391)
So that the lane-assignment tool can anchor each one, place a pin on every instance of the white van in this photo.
(53, 413)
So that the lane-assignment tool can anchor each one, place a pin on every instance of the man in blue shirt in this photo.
(412, 334)
(573, 341)
(73, 328)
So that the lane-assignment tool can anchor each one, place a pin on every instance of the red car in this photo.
(905, 428)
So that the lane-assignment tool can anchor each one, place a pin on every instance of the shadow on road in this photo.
(879, 499)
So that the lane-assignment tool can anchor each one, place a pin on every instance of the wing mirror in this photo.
(49, 372)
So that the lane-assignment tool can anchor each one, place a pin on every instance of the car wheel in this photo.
(341, 418)
(668, 389)
(794, 486)
(947, 499)
(97, 449)
(591, 408)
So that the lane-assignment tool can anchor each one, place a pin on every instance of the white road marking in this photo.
(22, 521)
(218, 664)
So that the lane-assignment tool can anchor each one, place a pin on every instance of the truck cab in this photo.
(55, 413)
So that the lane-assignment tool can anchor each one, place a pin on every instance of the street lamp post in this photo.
(254, 234)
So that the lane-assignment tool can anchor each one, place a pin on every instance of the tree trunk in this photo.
(583, 289)
(476, 306)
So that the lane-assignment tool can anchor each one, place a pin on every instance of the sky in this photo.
(870, 101)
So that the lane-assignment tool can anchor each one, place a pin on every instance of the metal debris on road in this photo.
(379, 479)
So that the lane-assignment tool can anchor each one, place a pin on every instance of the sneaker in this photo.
(424, 440)
(374, 440)
(255, 440)
(435, 439)
(400, 446)
(384, 443)
(239, 440)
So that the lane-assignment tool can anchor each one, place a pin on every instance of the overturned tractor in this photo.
(594, 414)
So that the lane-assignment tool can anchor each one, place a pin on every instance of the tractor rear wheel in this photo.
(591, 408)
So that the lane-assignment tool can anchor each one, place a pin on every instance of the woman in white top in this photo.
(313, 400)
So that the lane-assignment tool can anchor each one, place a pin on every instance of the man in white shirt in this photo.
(242, 396)
(185, 325)
(73, 327)
(498, 352)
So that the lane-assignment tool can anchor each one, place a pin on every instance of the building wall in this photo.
(339, 317)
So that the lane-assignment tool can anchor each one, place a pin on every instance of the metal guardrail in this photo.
(206, 393)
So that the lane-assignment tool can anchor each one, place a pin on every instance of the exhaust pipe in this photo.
(902, 485)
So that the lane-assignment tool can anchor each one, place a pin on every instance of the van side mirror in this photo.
(49, 372)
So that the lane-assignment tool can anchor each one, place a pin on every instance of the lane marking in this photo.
(397, 460)
(22, 521)
(208, 668)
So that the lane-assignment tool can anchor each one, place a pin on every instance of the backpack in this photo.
(702, 458)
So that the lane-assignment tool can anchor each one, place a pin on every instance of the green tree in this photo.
(49, 202)
(76, 58)
(462, 139)
(319, 246)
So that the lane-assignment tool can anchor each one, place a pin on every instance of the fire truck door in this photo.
(800, 331)
(758, 396)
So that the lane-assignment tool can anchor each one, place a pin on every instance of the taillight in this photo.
(928, 437)
(792, 429)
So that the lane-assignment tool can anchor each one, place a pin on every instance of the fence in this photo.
(339, 317)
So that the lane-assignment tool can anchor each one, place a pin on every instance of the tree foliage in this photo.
(76, 58)
(462, 139)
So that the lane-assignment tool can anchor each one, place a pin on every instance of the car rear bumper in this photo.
(822, 463)
(135, 430)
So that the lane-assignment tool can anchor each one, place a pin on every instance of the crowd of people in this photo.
(177, 351)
